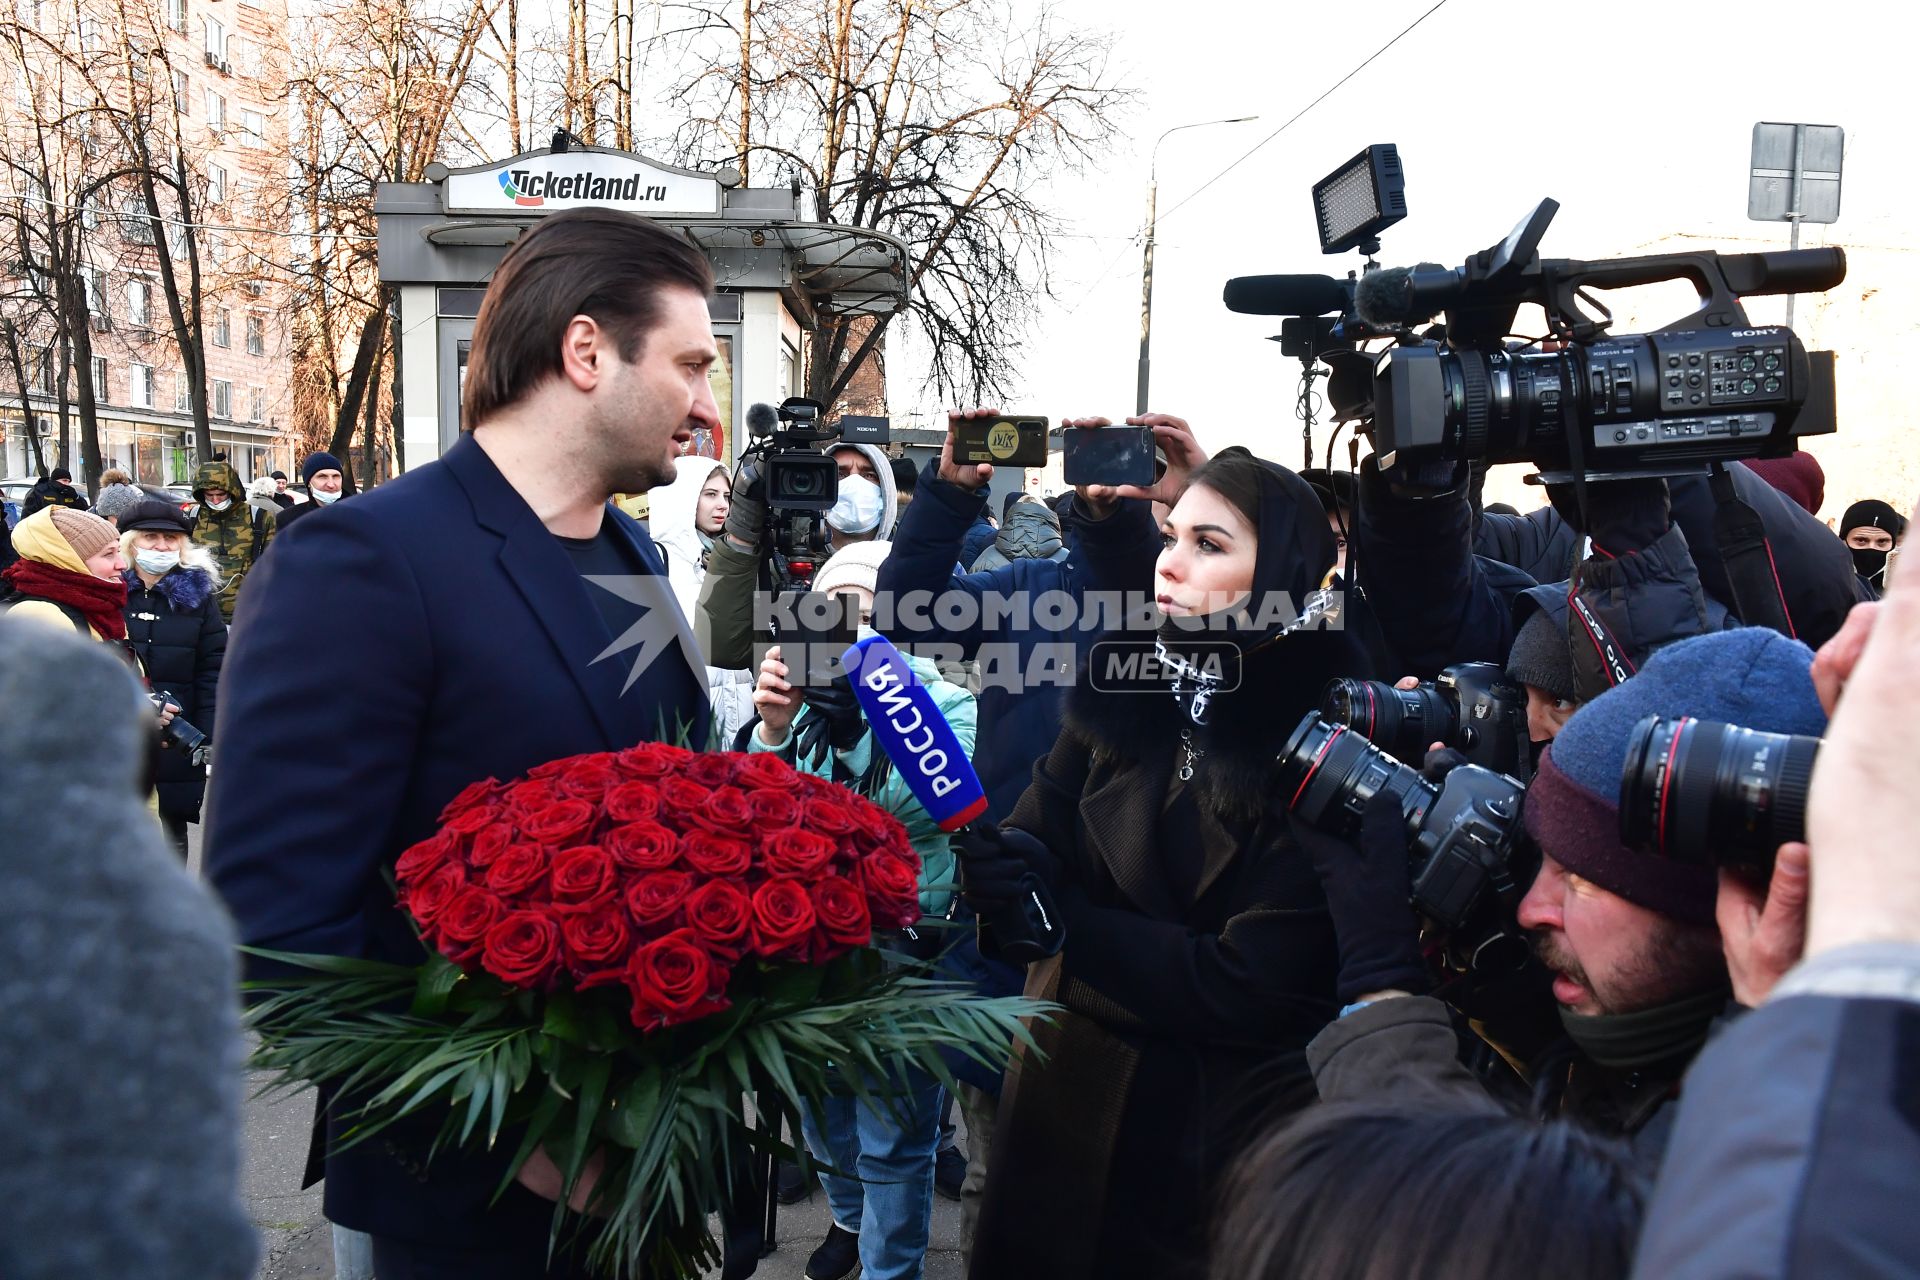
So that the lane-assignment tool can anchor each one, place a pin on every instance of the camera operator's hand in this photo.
(1623, 516)
(1865, 880)
(1763, 928)
(1174, 438)
(971, 477)
(774, 699)
(1837, 658)
(167, 712)
(992, 861)
(747, 512)
(1368, 896)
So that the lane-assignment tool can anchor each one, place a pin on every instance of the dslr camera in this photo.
(1462, 833)
(1472, 708)
(1715, 794)
(182, 736)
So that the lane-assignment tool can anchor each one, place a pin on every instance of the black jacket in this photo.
(176, 628)
(48, 494)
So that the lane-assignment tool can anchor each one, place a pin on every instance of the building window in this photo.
(135, 226)
(181, 90)
(94, 282)
(139, 305)
(100, 379)
(216, 41)
(256, 335)
(43, 371)
(216, 111)
(216, 184)
(222, 398)
(253, 129)
(223, 328)
(140, 382)
(182, 393)
(257, 404)
(177, 15)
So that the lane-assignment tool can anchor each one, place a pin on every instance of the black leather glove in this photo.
(747, 514)
(993, 861)
(1367, 895)
(1623, 516)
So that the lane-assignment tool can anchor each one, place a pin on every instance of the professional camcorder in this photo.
(1472, 708)
(1462, 834)
(801, 484)
(1580, 401)
(1706, 792)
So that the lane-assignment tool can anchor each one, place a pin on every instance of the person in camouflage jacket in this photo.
(227, 526)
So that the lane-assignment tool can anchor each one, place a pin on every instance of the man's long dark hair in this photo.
(1431, 1188)
(584, 262)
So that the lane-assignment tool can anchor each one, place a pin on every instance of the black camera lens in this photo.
(1330, 771)
(1402, 722)
(802, 479)
(1707, 792)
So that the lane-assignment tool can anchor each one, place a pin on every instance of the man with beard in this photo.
(447, 627)
(1640, 969)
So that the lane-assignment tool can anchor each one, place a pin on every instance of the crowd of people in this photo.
(1261, 1061)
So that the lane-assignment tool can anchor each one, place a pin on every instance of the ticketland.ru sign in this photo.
(543, 183)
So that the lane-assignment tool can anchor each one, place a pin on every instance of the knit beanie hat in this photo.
(84, 531)
(319, 462)
(1871, 513)
(60, 473)
(855, 565)
(116, 500)
(1752, 676)
(1539, 657)
(1798, 475)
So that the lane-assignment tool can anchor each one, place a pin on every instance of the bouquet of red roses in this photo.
(621, 946)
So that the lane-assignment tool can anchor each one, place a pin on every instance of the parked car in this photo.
(16, 489)
(181, 495)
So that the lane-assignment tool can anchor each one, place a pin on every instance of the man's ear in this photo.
(586, 353)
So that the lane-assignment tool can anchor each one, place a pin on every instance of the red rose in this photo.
(523, 950)
(715, 855)
(588, 778)
(559, 824)
(523, 798)
(710, 769)
(651, 760)
(596, 940)
(517, 870)
(891, 837)
(463, 925)
(423, 859)
(829, 818)
(552, 768)
(782, 919)
(425, 899)
(468, 821)
(643, 846)
(633, 802)
(724, 812)
(656, 898)
(674, 980)
(682, 799)
(762, 770)
(841, 908)
(479, 794)
(582, 874)
(719, 911)
(797, 853)
(893, 889)
(772, 808)
(488, 845)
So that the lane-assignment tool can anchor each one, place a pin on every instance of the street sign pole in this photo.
(1795, 177)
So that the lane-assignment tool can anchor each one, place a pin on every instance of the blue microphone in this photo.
(910, 728)
(907, 723)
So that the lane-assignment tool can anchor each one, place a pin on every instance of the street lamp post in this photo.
(1146, 267)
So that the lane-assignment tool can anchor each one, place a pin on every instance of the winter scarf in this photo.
(100, 602)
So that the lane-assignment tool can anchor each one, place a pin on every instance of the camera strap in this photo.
(1741, 538)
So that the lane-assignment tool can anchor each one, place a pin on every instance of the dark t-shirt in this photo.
(607, 555)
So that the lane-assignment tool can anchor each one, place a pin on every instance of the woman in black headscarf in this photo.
(1199, 959)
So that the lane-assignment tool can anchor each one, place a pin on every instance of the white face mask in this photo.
(156, 562)
(858, 510)
(324, 498)
(221, 505)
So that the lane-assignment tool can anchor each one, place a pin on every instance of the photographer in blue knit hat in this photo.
(1640, 968)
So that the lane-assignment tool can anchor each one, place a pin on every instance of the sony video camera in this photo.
(1472, 708)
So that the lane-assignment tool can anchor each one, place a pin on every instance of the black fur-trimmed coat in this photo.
(1187, 1012)
(176, 628)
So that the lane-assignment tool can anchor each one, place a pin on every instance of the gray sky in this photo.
(1636, 116)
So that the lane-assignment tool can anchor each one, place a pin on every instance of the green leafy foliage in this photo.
(665, 1112)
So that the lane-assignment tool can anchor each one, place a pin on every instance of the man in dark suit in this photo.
(473, 618)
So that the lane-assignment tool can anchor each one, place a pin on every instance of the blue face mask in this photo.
(156, 562)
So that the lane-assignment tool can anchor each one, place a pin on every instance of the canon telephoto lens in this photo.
(1402, 722)
(1707, 792)
(1330, 771)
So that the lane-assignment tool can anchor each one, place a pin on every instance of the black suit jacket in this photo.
(390, 651)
